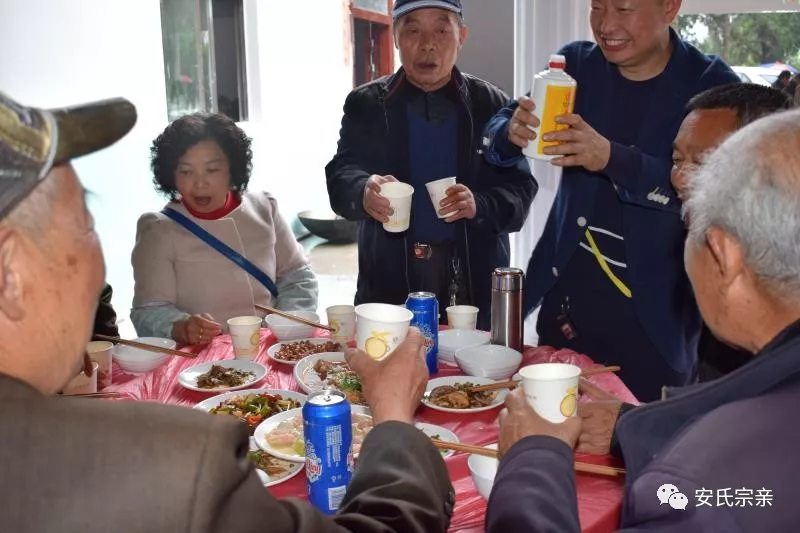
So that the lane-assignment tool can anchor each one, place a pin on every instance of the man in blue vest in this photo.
(607, 273)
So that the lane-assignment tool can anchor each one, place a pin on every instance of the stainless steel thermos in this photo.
(507, 307)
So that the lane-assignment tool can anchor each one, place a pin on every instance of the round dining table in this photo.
(599, 497)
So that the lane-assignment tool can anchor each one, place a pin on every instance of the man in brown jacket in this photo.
(78, 465)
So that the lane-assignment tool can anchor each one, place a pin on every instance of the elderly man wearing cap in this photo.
(420, 125)
(712, 457)
(79, 465)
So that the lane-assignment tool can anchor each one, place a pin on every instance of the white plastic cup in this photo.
(100, 353)
(343, 319)
(399, 196)
(462, 316)
(82, 384)
(437, 190)
(552, 389)
(246, 335)
(380, 328)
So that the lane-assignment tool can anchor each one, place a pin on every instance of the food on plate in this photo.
(274, 467)
(294, 351)
(220, 377)
(460, 396)
(339, 375)
(287, 437)
(252, 409)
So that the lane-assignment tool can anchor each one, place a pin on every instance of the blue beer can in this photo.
(328, 433)
(426, 317)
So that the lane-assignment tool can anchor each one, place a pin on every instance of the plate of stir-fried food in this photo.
(253, 406)
(221, 376)
(329, 370)
(453, 395)
(289, 352)
(272, 470)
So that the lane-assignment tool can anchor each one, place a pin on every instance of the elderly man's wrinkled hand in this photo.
(459, 203)
(581, 145)
(374, 204)
(519, 132)
(393, 386)
(518, 420)
(599, 417)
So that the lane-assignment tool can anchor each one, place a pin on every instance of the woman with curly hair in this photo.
(184, 288)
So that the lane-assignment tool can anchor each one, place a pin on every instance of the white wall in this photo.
(300, 73)
(55, 53)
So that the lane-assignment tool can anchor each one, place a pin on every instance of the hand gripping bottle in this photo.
(553, 93)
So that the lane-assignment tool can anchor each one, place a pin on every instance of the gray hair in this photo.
(750, 188)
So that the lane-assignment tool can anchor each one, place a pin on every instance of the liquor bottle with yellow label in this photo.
(553, 93)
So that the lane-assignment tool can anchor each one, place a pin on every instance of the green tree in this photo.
(747, 38)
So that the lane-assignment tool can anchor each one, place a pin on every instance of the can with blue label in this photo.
(328, 433)
(426, 317)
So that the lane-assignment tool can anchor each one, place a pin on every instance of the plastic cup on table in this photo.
(399, 196)
(381, 327)
(552, 389)
(437, 190)
(343, 319)
(462, 316)
(100, 353)
(245, 335)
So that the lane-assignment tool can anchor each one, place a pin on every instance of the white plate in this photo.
(450, 380)
(260, 436)
(277, 346)
(304, 374)
(444, 434)
(451, 340)
(188, 378)
(294, 469)
(209, 403)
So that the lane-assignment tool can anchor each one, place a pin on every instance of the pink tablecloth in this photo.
(599, 498)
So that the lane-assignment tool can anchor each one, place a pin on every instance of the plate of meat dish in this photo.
(290, 352)
(253, 406)
(452, 395)
(318, 371)
(221, 376)
(282, 435)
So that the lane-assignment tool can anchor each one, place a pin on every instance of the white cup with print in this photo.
(437, 190)
(246, 336)
(462, 316)
(100, 353)
(342, 318)
(82, 384)
(399, 196)
(552, 389)
(381, 327)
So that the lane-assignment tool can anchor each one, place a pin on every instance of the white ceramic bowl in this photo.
(489, 361)
(452, 340)
(483, 469)
(137, 360)
(289, 330)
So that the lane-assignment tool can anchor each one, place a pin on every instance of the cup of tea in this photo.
(245, 335)
(437, 190)
(462, 316)
(381, 327)
(342, 318)
(552, 389)
(82, 384)
(399, 196)
(100, 353)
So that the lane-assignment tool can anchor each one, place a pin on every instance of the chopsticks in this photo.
(580, 466)
(98, 395)
(272, 311)
(511, 384)
(143, 346)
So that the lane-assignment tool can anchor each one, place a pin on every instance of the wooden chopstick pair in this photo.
(512, 384)
(580, 466)
(273, 311)
(143, 346)
(98, 395)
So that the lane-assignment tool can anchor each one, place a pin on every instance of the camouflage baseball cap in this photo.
(32, 140)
